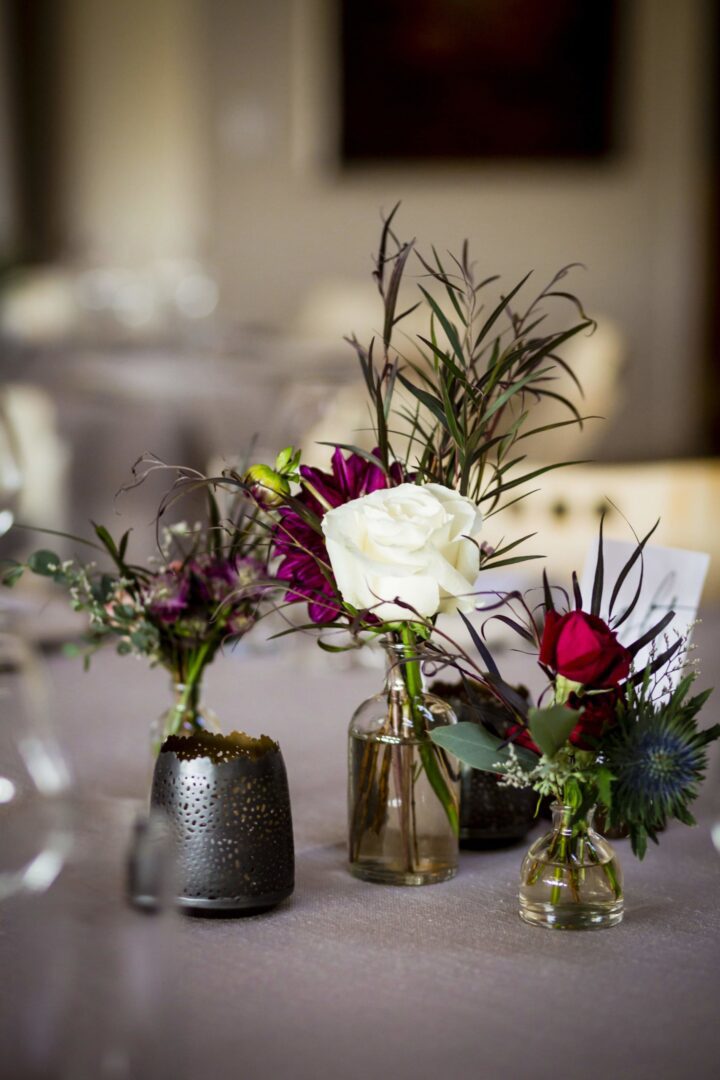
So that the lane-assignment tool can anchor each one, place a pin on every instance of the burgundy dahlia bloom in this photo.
(302, 549)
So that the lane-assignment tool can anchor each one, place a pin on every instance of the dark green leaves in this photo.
(597, 590)
(603, 782)
(430, 402)
(483, 367)
(637, 554)
(10, 572)
(46, 563)
(551, 727)
(480, 646)
(450, 331)
(501, 307)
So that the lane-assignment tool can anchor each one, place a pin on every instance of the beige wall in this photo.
(284, 218)
(206, 127)
(134, 187)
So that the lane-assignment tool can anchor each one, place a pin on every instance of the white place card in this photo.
(673, 580)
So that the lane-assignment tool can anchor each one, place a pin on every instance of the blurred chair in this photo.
(566, 511)
(41, 457)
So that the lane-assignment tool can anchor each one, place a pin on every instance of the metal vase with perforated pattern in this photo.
(228, 805)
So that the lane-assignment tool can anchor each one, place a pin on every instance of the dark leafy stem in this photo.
(454, 416)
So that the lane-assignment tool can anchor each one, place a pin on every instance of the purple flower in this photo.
(230, 587)
(302, 549)
(303, 554)
(210, 590)
(168, 597)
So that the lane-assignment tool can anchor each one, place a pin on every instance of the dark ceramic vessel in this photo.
(491, 814)
(228, 807)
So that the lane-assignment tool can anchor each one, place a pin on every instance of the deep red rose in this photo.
(599, 713)
(583, 648)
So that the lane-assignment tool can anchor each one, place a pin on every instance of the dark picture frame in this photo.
(461, 80)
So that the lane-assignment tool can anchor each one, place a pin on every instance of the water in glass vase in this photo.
(399, 828)
(403, 791)
(571, 878)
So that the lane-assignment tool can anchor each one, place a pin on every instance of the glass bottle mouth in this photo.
(566, 816)
(398, 648)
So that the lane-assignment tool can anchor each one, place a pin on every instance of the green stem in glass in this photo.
(412, 676)
(190, 682)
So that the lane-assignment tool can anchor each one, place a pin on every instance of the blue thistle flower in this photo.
(657, 757)
(657, 762)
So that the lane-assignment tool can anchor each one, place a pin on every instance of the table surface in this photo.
(346, 979)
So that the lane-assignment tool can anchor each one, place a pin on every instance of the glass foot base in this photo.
(571, 916)
(383, 875)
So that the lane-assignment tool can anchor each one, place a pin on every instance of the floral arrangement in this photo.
(605, 733)
(200, 592)
(387, 540)
(392, 535)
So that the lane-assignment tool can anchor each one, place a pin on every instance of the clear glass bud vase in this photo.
(571, 878)
(186, 716)
(403, 790)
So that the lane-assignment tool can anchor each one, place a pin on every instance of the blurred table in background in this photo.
(203, 408)
(85, 415)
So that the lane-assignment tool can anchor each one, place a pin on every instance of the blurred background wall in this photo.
(636, 220)
(184, 246)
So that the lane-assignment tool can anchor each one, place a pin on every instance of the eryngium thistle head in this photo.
(658, 758)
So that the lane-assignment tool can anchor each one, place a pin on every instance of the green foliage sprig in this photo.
(467, 408)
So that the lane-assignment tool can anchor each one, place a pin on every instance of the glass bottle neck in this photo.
(403, 669)
(565, 818)
(187, 695)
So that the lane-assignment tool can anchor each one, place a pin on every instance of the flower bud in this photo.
(269, 487)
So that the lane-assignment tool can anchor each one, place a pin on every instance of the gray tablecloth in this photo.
(346, 979)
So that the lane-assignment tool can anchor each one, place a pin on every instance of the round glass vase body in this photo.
(403, 790)
(571, 878)
(186, 716)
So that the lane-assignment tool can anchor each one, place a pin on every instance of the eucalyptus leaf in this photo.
(11, 574)
(46, 563)
(475, 746)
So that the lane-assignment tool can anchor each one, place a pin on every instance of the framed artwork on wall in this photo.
(477, 79)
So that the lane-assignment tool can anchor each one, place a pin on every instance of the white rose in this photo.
(411, 542)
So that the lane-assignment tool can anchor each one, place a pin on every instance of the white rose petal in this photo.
(413, 542)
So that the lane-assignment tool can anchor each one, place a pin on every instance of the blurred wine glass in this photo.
(35, 814)
(10, 473)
